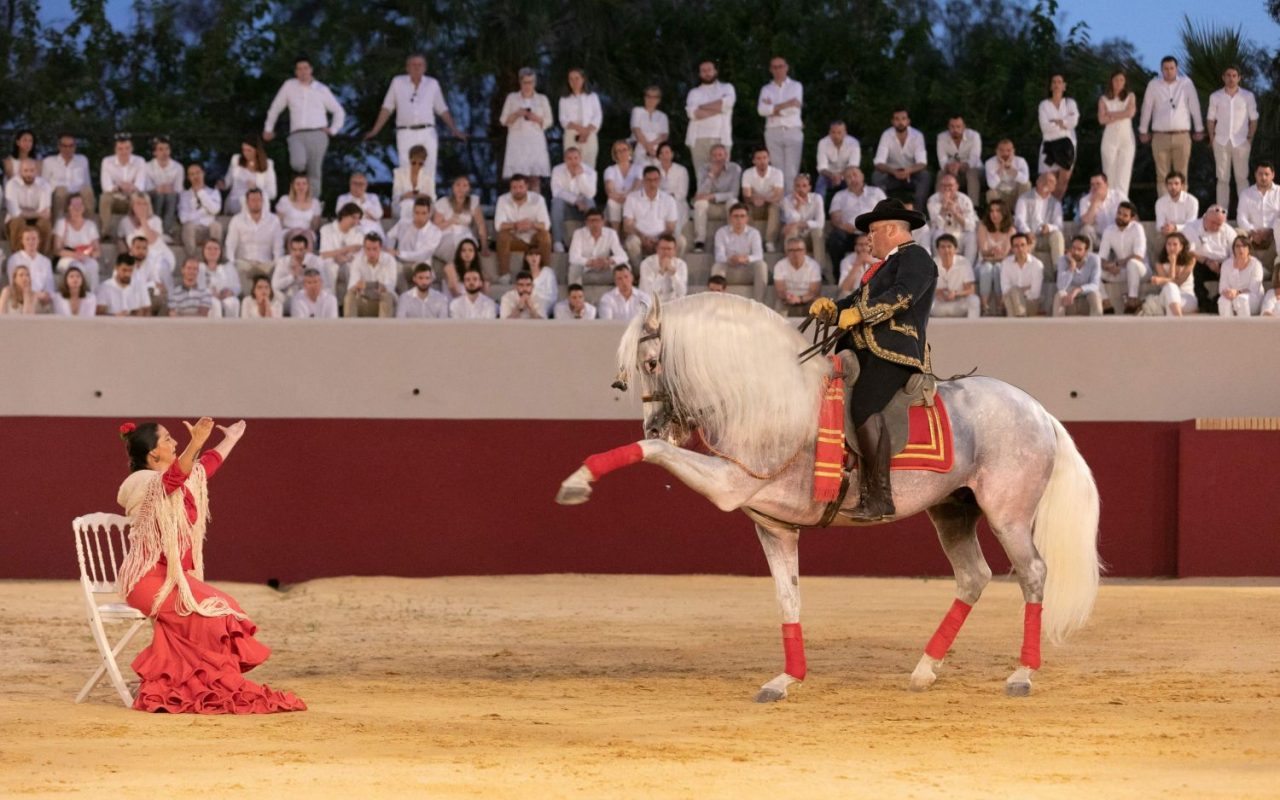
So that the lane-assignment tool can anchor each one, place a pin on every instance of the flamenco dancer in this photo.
(202, 641)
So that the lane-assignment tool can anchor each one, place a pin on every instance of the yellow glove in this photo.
(849, 317)
(824, 308)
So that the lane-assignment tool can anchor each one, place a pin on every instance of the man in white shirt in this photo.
(1177, 207)
(780, 102)
(1039, 215)
(623, 301)
(762, 191)
(1079, 280)
(289, 275)
(837, 151)
(664, 275)
(28, 201)
(1259, 212)
(1232, 121)
(310, 104)
(68, 174)
(1211, 239)
(595, 251)
(416, 100)
(254, 238)
(739, 256)
(519, 303)
(573, 194)
(522, 222)
(340, 242)
(575, 306)
(120, 296)
(198, 209)
(1021, 278)
(1098, 207)
(718, 186)
(153, 268)
(648, 213)
(956, 295)
(960, 155)
(902, 165)
(797, 280)
(417, 239)
(1124, 258)
(370, 204)
(314, 301)
(805, 217)
(474, 303)
(1170, 109)
(953, 213)
(421, 301)
(372, 290)
(854, 200)
(164, 182)
(122, 174)
(1008, 176)
(710, 109)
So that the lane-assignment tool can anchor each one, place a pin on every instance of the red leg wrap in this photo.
(947, 629)
(1031, 636)
(793, 647)
(602, 464)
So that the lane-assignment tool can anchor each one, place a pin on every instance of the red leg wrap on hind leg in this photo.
(602, 464)
(946, 634)
(793, 647)
(1031, 635)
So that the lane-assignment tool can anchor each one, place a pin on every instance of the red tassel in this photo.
(828, 459)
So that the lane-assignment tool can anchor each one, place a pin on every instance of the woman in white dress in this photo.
(18, 297)
(221, 278)
(619, 180)
(580, 118)
(142, 219)
(299, 212)
(1172, 277)
(74, 298)
(527, 116)
(78, 243)
(249, 169)
(411, 181)
(461, 217)
(1116, 109)
(675, 181)
(1059, 117)
(1240, 282)
(262, 302)
(650, 127)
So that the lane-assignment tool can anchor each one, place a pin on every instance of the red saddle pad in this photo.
(929, 444)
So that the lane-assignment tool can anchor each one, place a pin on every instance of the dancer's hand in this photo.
(200, 431)
(824, 309)
(849, 317)
(233, 431)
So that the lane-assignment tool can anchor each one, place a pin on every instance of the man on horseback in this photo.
(886, 318)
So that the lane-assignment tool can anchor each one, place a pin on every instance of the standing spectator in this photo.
(1177, 207)
(288, 276)
(595, 251)
(1240, 284)
(1124, 257)
(739, 256)
(416, 99)
(575, 306)
(710, 109)
(804, 218)
(797, 280)
(74, 298)
(372, 289)
(718, 186)
(340, 241)
(675, 182)
(649, 127)
(648, 213)
(995, 242)
(1098, 207)
(1021, 277)
(781, 100)
(762, 191)
(28, 255)
(1059, 117)
(1008, 176)
(24, 146)
(221, 277)
(854, 200)
(1116, 109)
(164, 183)
(28, 200)
(581, 117)
(522, 222)
(310, 104)
(620, 180)
(545, 288)
(123, 174)
(68, 173)
(416, 239)
(460, 216)
(855, 265)
(465, 258)
(953, 213)
(837, 151)
(262, 302)
(77, 242)
(17, 297)
(902, 165)
(189, 298)
(573, 194)
(121, 295)
(370, 205)
(664, 275)
(198, 209)
(623, 301)
(519, 303)
(1232, 121)
(1173, 276)
(299, 211)
(411, 181)
(421, 301)
(1079, 280)
(1170, 109)
(1258, 212)
(254, 237)
(1039, 215)
(527, 116)
(956, 295)
(314, 301)
(1210, 239)
(473, 303)
(960, 155)
(249, 169)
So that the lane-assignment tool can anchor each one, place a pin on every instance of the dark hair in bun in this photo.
(138, 442)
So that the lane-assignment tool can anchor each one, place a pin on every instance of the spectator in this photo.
(804, 217)
(953, 213)
(465, 258)
(1210, 239)
(648, 213)
(527, 116)
(340, 241)
(573, 194)
(1116, 109)
(143, 219)
(1008, 176)
(17, 297)
(1173, 276)
(314, 301)
(710, 109)
(575, 306)
(739, 255)
(1177, 207)
(1232, 122)
(620, 180)
(198, 209)
(717, 283)
(580, 118)
(854, 266)
(1021, 277)
(1059, 117)
(310, 104)
(74, 298)
(24, 147)
(77, 243)
(40, 269)
(370, 205)
(781, 100)
(1271, 304)
(762, 191)
(545, 288)
(164, 183)
(153, 269)
(854, 200)
(420, 301)
(1169, 110)
(923, 235)
(372, 289)
(415, 121)
(797, 280)
(960, 156)
(288, 276)
(837, 151)
(994, 246)
(1039, 215)
(675, 182)
(1124, 257)
(718, 186)
(1258, 212)
(123, 175)
(68, 174)
(1098, 207)
(519, 303)
(120, 295)
(902, 165)
(473, 303)
(189, 298)
(1240, 284)
(649, 127)
(262, 302)
(416, 238)
(221, 277)
(460, 215)
(956, 295)
(299, 211)
(595, 251)
(623, 301)
(28, 200)
(522, 222)
(250, 169)
(1079, 280)
(664, 275)
(410, 182)
(254, 237)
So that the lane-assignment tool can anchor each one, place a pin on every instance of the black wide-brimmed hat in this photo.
(886, 210)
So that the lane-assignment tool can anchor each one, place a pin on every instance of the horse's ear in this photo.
(653, 320)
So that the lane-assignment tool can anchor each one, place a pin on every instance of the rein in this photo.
(825, 337)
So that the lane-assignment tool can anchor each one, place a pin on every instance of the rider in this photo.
(886, 320)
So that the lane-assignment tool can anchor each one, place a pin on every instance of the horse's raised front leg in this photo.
(782, 549)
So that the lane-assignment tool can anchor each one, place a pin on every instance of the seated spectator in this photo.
(953, 213)
(804, 217)
(923, 235)
(120, 295)
(545, 287)
(289, 273)
(854, 266)
(1008, 176)
(648, 213)
(620, 179)
(718, 188)
(28, 201)
(24, 146)
(372, 282)
(143, 220)
(522, 222)
(411, 182)
(370, 205)
(575, 306)
(1210, 239)
(465, 258)
(340, 242)
(460, 215)
(837, 151)
(526, 114)
(68, 174)
(189, 298)
(1079, 280)
(262, 302)
(1098, 207)
(473, 303)
(299, 212)
(314, 301)
(762, 191)
(623, 301)
(717, 283)
(1240, 284)
(222, 278)
(198, 210)
(595, 251)
(1271, 304)
(250, 169)
(994, 245)
(1176, 207)
(902, 165)
(573, 194)
(960, 156)
(664, 275)
(164, 183)
(855, 199)
(421, 301)
(519, 303)
(1172, 276)
(650, 127)
(153, 269)
(17, 297)
(1021, 277)
(74, 298)
(254, 237)
(416, 238)
(76, 242)
(1124, 258)
(1039, 215)
(797, 280)
(39, 268)
(122, 175)
(1258, 213)
(739, 255)
(956, 295)
(675, 182)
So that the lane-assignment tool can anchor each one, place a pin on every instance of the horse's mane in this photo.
(730, 364)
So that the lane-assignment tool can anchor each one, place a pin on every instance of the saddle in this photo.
(920, 390)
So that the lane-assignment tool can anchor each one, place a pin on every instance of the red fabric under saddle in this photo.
(929, 443)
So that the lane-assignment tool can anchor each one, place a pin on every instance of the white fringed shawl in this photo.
(159, 527)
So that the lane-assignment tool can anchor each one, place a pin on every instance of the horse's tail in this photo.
(1066, 534)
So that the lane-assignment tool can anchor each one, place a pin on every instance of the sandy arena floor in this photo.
(605, 686)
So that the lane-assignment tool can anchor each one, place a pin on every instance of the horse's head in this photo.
(663, 419)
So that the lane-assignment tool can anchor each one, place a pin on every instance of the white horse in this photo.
(727, 367)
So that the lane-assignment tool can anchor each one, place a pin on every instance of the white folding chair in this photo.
(101, 543)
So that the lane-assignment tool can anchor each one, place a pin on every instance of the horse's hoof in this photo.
(767, 695)
(1019, 683)
(924, 676)
(576, 489)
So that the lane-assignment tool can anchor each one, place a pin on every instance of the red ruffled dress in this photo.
(195, 664)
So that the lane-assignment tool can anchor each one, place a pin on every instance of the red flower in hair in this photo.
(127, 429)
